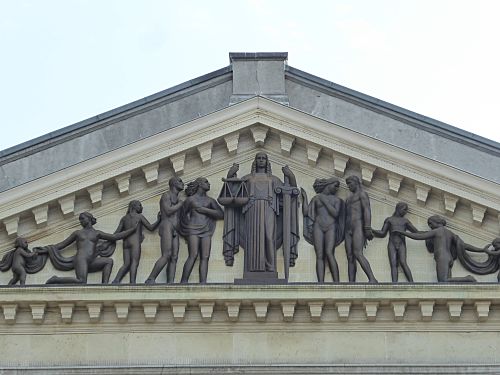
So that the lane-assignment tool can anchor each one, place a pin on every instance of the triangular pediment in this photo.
(262, 119)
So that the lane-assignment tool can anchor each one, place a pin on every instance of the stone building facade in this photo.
(200, 128)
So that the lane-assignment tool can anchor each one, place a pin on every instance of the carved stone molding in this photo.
(381, 304)
(178, 162)
(367, 173)
(422, 192)
(11, 224)
(232, 142)
(9, 312)
(95, 193)
(286, 143)
(66, 311)
(450, 203)
(478, 214)
(151, 172)
(288, 309)
(41, 214)
(205, 151)
(123, 183)
(150, 311)
(339, 164)
(394, 183)
(259, 134)
(67, 204)
(312, 153)
(206, 310)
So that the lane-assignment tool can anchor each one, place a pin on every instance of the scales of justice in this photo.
(260, 215)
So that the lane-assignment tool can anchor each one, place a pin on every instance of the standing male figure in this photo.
(358, 228)
(170, 205)
(397, 244)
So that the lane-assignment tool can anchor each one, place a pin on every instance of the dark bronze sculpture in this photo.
(324, 224)
(263, 216)
(170, 205)
(198, 215)
(132, 243)
(358, 228)
(490, 265)
(92, 254)
(444, 244)
(397, 245)
(22, 261)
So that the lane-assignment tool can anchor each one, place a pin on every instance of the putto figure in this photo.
(266, 217)
(198, 215)
(91, 255)
(358, 228)
(21, 261)
(444, 244)
(132, 244)
(324, 222)
(170, 205)
(396, 246)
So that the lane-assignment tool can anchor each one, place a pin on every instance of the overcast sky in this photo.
(64, 61)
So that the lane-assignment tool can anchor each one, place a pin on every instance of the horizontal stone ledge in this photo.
(258, 368)
(392, 300)
(466, 292)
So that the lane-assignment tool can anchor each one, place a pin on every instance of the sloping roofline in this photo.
(430, 124)
(435, 126)
(116, 111)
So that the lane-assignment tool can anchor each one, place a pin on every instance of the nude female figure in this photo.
(132, 244)
(397, 245)
(87, 258)
(197, 224)
(170, 205)
(324, 219)
(444, 244)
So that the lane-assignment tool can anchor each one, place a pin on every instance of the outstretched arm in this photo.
(26, 254)
(410, 227)
(383, 232)
(418, 236)
(120, 226)
(116, 236)
(477, 249)
(68, 241)
(486, 249)
(148, 225)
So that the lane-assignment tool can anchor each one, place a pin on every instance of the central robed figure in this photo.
(260, 216)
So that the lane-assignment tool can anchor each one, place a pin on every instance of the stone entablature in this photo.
(299, 303)
(419, 328)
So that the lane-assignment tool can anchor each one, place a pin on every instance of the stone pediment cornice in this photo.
(260, 115)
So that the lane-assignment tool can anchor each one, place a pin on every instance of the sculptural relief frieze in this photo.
(260, 225)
